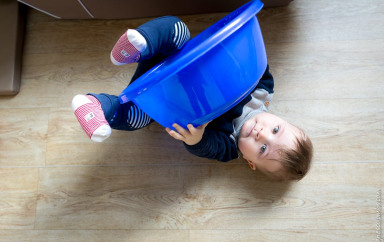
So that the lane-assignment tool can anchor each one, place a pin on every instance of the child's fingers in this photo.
(198, 129)
(192, 129)
(175, 134)
(180, 129)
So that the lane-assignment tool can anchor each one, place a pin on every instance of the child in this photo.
(267, 142)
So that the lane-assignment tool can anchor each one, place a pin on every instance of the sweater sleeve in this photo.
(266, 81)
(217, 142)
(214, 145)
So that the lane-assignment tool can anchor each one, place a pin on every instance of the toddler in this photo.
(268, 143)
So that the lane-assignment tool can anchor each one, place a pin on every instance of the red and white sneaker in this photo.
(91, 117)
(128, 48)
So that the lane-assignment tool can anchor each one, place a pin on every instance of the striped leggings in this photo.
(164, 36)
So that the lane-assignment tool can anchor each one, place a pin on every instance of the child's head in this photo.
(275, 147)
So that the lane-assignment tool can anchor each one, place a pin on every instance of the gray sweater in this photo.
(220, 136)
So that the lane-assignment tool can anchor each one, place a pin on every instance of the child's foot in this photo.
(91, 117)
(128, 48)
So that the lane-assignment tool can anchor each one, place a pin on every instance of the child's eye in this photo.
(263, 148)
(275, 129)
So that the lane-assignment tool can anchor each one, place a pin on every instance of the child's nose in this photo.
(259, 133)
(262, 134)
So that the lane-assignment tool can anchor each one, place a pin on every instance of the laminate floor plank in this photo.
(18, 198)
(327, 60)
(23, 136)
(206, 197)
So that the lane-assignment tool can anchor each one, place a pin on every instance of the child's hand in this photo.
(191, 136)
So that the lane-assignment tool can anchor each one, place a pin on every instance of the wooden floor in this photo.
(327, 58)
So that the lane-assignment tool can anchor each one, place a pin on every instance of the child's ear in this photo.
(253, 167)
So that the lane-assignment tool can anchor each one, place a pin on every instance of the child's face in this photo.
(261, 136)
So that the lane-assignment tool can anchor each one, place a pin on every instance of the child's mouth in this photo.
(250, 131)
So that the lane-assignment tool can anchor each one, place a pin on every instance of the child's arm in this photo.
(216, 145)
(216, 141)
(207, 143)
(191, 136)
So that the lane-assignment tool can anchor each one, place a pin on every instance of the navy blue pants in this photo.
(164, 36)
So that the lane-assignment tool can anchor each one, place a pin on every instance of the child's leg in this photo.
(125, 116)
(128, 48)
(91, 117)
(164, 36)
(159, 37)
(98, 113)
(149, 44)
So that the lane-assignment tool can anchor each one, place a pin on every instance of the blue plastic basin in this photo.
(212, 73)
